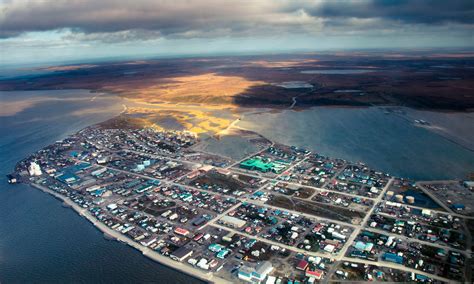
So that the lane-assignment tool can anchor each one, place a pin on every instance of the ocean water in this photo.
(387, 142)
(40, 240)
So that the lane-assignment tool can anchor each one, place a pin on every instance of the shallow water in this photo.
(386, 142)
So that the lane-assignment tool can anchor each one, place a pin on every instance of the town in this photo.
(280, 215)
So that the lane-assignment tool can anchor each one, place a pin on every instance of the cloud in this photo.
(406, 11)
(58, 30)
(166, 17)
(112, 37)
(116, 20)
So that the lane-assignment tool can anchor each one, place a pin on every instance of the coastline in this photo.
(113, 235)
(110, 234)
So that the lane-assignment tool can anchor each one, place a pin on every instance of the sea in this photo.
(40, 240)
(43, 242)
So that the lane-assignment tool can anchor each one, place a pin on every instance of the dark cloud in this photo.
(90, 16)
(125, 20)
(409, 11)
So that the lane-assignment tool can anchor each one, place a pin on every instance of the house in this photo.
(215, 247)
(329, 248)
(302, 265)
(317, 274)
(181, 254)
(181, 231)
(223, 253)
(361, 246)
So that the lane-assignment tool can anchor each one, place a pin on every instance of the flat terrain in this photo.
(207, 95)
(420, 80)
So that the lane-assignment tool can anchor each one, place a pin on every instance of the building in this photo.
(215, 247)
(101, 160)
(458, 206)
(271, 280)
(223, 172)
(329, 248)
(245, 273)
(181, 232)
(302, 265)
(181, 254)
(206, 168)
(99, 171)
(255, 274)
(112, 206)
(391, 257)
(256, 164)
(67, 177)
(12, 179)
(34, 169)
(228, 237)
(361, 246)
(232, 221)
(223, 253)
(200, 221)
(316, 274)
(469, 184)
(262, 270)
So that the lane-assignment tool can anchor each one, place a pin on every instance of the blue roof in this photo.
(421, 277)
(393, 258)
(67, 175)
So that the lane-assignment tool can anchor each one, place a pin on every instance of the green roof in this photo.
(257, 164)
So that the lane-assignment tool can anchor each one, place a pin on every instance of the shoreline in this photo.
(110, 234)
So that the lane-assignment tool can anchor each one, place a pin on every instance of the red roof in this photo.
(198, 236)
(316, 273)
(302, 265)
(317, 228)
(181, 231)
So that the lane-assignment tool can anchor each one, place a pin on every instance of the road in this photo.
(249, 173)
(408, 239)
(340, 255)
(303, 214)
(293, 99)
(356, 228)
(366, 218)
(441, 203)
(295, 249)
(396, 266)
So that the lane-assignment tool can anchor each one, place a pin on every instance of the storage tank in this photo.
(399, 198)
(411, 199)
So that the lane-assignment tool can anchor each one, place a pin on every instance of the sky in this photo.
(58, 30)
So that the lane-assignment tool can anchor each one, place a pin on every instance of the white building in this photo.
(34, 169)
(255, 274)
